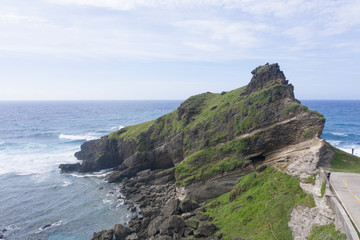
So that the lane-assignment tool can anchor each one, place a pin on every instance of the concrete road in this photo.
(347, 187)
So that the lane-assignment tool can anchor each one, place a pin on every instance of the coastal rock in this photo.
(171, 225)
(206, 229)
(132, 237)
(188, 205)
(121, 231)
(266, 75)
(103, 235)
(171, 207)
(70, 167)
(153, 227)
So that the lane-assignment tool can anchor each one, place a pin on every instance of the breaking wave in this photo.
(89, 136)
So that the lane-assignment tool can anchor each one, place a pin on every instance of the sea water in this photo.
(39, 202)
(342, 127)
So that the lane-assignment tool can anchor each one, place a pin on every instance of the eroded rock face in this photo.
(266, 75)
(249, 124)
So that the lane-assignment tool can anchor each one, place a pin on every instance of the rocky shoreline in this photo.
(159, 212)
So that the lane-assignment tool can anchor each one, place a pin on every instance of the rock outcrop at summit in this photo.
(212, 139)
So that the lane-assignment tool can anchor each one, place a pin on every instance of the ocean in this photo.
(39, 202)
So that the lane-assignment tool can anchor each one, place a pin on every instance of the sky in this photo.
(172, 49)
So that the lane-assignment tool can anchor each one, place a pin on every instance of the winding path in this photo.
(347, 188)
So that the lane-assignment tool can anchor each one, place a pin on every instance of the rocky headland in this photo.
(241, 164)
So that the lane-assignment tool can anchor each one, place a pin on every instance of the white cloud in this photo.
(343, 17)
(239, 34)
(203, 46)
(178, 29)
(9, 17)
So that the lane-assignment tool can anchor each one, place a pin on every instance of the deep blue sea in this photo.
(35, 137)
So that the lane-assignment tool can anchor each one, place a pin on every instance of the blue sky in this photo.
(162, 49)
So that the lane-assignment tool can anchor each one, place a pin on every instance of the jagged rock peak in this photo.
(266, 75)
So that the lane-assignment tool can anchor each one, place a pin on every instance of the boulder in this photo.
(121, 231)
(133, 236)
(171, 207)
(70, 167)
(153, 227)
(171, 225)
(206, 229)
(103, 235)
(188, 205)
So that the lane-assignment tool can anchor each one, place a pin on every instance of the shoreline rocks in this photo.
(162, 215)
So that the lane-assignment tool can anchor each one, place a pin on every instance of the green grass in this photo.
(344, 162)
(211, 161)
(310, 179)
(307, 134)
(323, 188)
(259, 206)
(132, 132)
(295, 107)
(326, 232)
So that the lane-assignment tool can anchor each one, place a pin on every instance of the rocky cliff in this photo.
(210, 135)
(210, 141)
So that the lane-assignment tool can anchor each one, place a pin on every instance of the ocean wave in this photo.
(34, 161)
(88, 175)
(334, 142)
(89, 136)
(7, 230)
(117, 128)
(1, 143)
(339, 134)
(66, 183)
(47, 226)
(349, 150)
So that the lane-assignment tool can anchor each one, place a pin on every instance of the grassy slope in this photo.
(344, 162)
(259, 206)
(326, 232)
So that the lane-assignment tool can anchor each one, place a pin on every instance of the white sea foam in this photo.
(349, 149)
(55, 224)
(108, 201)
(66, 183)
(334, 142)
(339, 134)
(1, 143)
(86, 175)
(25, 161)
(87, 137)
(117, 127)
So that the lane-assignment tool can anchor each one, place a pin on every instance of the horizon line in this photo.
(107, 100)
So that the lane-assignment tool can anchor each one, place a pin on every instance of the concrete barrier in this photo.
(342, 219)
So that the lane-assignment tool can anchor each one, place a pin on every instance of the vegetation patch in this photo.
(250, 209)
(307, 134)
(132, 132)
(344, 162)
(326, 232)
(211, 161)
(323, 188)
(310, 179)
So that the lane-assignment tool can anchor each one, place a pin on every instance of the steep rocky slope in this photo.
(206, 145)
(238, 129)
